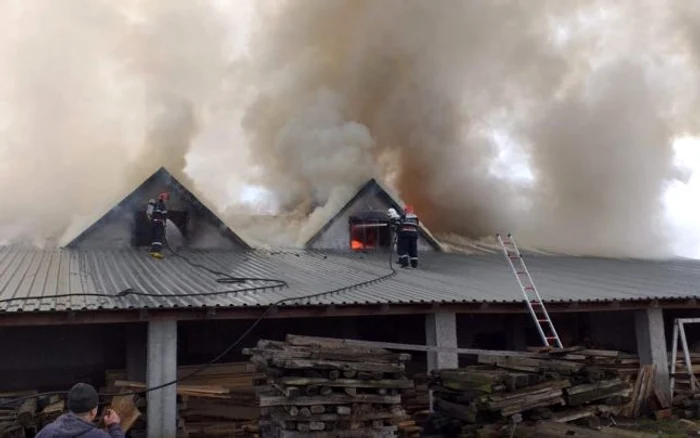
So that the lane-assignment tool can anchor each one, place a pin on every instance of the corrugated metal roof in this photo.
(442, 278)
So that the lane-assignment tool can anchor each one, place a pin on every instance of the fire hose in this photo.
(225, 279)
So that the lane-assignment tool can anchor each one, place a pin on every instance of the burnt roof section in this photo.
(376, 189)
(163, 177)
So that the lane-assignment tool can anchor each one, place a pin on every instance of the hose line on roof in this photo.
(223, 278)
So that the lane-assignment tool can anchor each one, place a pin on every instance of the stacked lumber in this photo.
(219, 400)
(686, 401)
(26, 416)
(416, 400)
(559, 386)
(682, 383)
(547, 429)
(416, 403)
(626, 365)
(321, 388)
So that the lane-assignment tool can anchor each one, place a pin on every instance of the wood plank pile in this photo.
(559, 386)
(416, 403)
(318, 388)
(682, 384)
(686, 402)
(218, 401)
(25, 418)
(416, 400)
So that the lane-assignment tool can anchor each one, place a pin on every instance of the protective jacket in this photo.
(157, 211)
(409, 224)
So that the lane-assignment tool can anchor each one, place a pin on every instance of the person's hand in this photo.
(111, 417)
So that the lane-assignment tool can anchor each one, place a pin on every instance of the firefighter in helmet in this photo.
(157, 213)
(407, 230)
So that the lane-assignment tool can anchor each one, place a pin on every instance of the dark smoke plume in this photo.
(447, 101)
(409, 90)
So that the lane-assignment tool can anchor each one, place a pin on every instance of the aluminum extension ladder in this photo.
(543, 322)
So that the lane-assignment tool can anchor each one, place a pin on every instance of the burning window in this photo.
(369, 231)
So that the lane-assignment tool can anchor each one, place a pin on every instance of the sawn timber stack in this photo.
(318, 388)
(218, 401)
(26, 416)
(562, 386)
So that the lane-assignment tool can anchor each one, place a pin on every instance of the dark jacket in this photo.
(409, 225)
(71, 426)
(160, 212)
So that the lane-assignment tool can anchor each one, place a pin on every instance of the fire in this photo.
(363, 237)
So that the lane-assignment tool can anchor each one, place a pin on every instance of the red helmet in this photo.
(409, 209)
(165, 196)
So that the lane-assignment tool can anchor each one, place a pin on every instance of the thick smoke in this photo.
(434, 97)
(94, 97)
(411, 89)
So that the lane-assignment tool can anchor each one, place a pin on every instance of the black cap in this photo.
(82, 398)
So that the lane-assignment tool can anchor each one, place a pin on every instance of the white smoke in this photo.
(94, 95)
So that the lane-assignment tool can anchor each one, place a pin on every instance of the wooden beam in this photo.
(416, 347)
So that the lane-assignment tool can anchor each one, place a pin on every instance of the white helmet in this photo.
(393, 214)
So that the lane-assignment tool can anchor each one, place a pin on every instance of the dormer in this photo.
(191, 224)
(362, 223)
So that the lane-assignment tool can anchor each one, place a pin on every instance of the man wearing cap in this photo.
(78, 422)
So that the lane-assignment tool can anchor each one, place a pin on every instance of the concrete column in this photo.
(441, 331)
(162, 368)
(651, 345)
(136, 352)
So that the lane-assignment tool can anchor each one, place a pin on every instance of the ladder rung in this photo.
(537, 309)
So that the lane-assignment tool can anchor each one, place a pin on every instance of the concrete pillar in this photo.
(136, 352)
(162, 368)
(441, 331)
(651, 345)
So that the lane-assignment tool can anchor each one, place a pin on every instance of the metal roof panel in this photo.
(442, 278)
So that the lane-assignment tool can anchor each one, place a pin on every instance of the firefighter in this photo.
(407, 238)
(157, 213)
